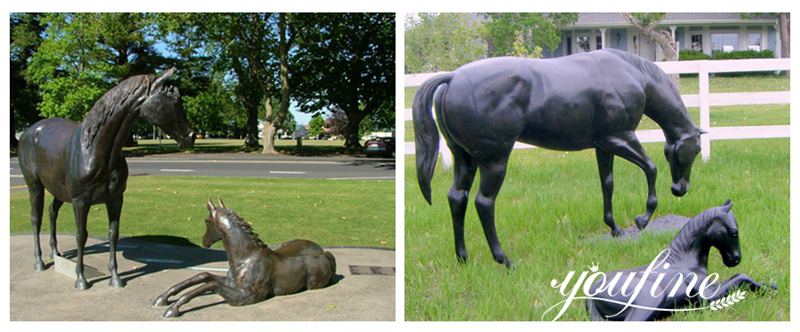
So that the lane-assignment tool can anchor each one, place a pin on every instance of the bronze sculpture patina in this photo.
(82, 163)
(588, 100)
(685, 260)
(256, 272)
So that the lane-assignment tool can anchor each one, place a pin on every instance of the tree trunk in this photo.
(784, 30)
(251, 137)
(351, 131)
(269, 129)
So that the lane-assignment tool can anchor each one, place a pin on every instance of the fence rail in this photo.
(704, 100)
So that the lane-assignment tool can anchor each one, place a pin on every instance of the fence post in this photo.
(705, 111)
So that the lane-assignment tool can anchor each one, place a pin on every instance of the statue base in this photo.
(66, 267)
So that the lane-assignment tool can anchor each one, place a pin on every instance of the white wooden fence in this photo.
(704, 100)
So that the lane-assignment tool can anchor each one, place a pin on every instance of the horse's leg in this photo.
(493, 173)
(738, 280)
(605, 164)
(463, 175)
(54, 207)
(36, 195)
(174, 309)
(202, 277)
(627, 146)
(114, 208)
(81, 209)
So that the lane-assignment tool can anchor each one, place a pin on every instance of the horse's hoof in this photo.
(461, 259)
(616, 232)
(171, 313)
(116, 283)
(81, 284)
(507, 263)
(38, 266)
(160, 301)
(641, 222)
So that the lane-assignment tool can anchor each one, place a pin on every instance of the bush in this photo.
(687, 55)
(743, 55)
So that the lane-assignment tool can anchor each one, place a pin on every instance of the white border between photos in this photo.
(400, 7)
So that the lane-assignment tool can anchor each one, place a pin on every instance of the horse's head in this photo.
(217, 219)
(162, 107)
(680, 155)
(723, 234)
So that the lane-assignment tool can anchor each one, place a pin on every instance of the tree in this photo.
(83, 55)
(646, 23)
(272, 122)
(315, 125)
(442, 41)
(26, 31)
(541, 30)
(784, 27)
(344, 62)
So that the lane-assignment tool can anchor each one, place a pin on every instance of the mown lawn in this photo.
(331, 213)
(549, 220)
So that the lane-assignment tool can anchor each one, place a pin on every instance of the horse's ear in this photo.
(727, 205)
(164, 77)
(221, 203)
(210, 206)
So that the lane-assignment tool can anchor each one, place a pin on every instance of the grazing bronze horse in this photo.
(256, 272)
(589, 100)
(687, 259)
(82, 163)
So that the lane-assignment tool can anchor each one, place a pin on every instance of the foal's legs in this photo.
(627, 146)
(463, 176)
(114, 208)
(199, 278)
(36, 195)
(605, 164)
(738, 280)
(54, 207)
(493, 173)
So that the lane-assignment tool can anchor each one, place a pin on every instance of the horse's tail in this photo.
(426, 136)
(332, 260)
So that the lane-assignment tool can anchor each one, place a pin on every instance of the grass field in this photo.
(549, 220)
(217, 145)
(331, 213)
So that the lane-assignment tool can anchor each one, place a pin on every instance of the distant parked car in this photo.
(383, 147)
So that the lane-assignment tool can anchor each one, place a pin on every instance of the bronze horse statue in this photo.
(588, 100)
(687, 256)
(256, 272)
(82, 163)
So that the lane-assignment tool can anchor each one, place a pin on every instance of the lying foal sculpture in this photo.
(585, 101)
(256, 272)
(687, 257)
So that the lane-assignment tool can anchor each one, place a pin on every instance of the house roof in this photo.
(616, 19)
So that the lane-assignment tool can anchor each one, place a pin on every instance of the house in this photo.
(706, 32)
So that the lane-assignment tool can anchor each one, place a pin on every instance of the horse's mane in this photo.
(697, 225)
(644, 66)
(111, 102)
(245, 226)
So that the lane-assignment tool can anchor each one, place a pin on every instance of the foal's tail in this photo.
(426, 136)
(330, 258)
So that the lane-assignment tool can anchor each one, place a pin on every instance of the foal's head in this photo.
(723, 234)
(217, 218)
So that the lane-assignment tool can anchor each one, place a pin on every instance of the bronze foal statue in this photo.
(256, 272)
(687, 258)
(82, 163)
(585, 101)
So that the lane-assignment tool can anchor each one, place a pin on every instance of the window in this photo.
(725, 42)
(583, 43)
(697, 43)
(599, 42)
(754, 41)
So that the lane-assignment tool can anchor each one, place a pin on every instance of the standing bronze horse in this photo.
(82, 163)
(589, 100)
(686, 258)
(256, 272)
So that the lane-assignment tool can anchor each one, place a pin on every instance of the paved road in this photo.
(236, 165)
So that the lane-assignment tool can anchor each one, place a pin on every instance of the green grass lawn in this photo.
(331, 213)
(217, 145)
(549, 220)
